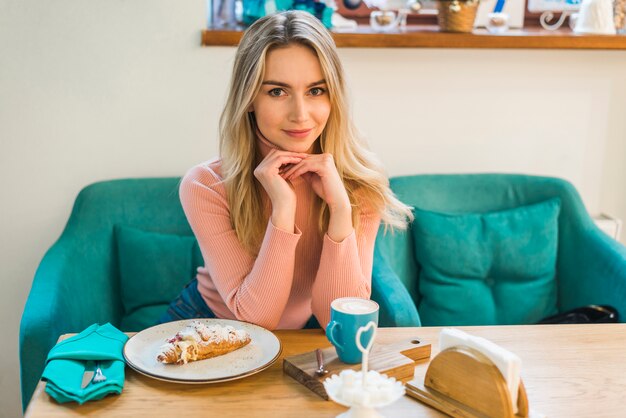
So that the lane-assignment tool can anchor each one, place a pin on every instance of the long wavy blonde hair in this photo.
(363, 176)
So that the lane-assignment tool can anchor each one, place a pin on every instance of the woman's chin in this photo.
(299, 148)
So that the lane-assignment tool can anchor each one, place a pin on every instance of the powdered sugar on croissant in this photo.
(198, 341)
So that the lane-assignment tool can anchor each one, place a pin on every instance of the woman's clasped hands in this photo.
(269, 173)
(279, 167)
(320, 172)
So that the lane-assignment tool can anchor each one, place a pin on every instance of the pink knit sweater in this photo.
(294, 274)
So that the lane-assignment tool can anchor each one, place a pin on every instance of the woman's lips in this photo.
(298, 133)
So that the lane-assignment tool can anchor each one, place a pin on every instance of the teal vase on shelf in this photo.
(252, 10)
(256, 9)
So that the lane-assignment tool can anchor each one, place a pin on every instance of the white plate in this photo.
(140, 352)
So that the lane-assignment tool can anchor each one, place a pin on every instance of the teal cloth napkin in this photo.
(69, 359)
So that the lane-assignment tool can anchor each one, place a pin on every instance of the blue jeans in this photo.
(189, 304)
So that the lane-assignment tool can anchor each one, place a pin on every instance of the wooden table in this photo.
(568, 370)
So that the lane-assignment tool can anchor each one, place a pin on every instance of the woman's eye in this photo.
(317, 91)
(275, 92)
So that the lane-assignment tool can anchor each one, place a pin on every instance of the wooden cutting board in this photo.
(395, 360)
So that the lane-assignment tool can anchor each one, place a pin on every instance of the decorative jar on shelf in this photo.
(387, 21)
(456, 15)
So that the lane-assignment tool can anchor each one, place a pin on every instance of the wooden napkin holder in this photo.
(462, 382)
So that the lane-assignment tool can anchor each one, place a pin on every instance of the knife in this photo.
(87, 374)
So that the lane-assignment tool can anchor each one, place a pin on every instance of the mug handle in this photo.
(329, 333)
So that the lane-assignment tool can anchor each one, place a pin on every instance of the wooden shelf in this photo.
(428, 36)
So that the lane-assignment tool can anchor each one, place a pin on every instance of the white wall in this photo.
(100, 90)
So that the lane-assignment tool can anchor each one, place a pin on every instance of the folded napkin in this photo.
(69, 359)
(507, 362)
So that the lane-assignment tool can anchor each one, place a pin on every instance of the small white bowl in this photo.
(347, 389)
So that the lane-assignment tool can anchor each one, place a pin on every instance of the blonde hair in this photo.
(363, 176)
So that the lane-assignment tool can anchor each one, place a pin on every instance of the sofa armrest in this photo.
(592, 270)
(397, 308)
(69, 293)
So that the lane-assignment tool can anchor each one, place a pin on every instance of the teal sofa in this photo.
(590, 267)
(88, 277)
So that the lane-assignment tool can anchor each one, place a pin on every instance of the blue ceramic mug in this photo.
(347, 315)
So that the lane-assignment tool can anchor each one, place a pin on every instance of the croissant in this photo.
(199, 341)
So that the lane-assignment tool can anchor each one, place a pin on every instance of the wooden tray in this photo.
(395, 360)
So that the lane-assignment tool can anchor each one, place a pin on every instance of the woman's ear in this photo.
(250, 108)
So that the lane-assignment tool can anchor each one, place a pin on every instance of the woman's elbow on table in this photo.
(267, 320)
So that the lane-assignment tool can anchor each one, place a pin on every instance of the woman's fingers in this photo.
(318, 164)
(284, 168)
(282, 159)
(292, 165)
(298, 170)
(290, 170)
(282, 162)
(277, 162)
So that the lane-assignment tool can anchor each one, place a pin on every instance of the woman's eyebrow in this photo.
(281, 84)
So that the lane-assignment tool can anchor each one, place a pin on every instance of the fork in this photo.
(99, 376)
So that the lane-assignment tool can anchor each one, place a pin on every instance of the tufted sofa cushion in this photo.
(487, 268)
(154, 268)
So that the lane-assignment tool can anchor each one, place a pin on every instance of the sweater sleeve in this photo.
(254, 289)
(345, 268)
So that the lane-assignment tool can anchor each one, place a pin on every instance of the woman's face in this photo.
(292, 106)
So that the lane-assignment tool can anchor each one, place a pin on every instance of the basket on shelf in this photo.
(457, 15)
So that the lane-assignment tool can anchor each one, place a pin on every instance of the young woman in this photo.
(287, 217)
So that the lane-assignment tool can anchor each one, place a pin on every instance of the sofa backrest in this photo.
(474, 193)
(150, 204)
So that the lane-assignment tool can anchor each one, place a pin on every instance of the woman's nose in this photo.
(298, 111)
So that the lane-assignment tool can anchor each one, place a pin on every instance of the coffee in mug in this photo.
(347, 315)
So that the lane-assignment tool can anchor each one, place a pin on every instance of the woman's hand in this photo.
(282, 196)
(320, 172)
